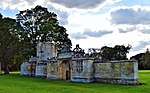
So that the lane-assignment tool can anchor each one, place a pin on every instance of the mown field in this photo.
(14, 83)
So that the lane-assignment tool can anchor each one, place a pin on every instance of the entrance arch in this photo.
(65, 70)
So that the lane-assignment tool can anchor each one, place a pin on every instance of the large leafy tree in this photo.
(9, 41)
(40, 25)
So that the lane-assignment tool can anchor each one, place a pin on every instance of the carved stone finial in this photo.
(78, 49)
(78, 52)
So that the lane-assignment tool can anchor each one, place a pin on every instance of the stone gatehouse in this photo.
(77, 67)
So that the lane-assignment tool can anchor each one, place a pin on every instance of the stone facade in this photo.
(45, 51)
(76, 67)
(24, 69)
(82, 70)
(122, 72)
(41, 70)
(48, 49)
(53, 69)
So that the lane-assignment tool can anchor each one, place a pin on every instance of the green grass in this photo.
(14, 83)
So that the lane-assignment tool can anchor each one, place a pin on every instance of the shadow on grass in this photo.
(142, 83)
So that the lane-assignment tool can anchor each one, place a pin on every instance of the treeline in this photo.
(143, 60)
(118, 52)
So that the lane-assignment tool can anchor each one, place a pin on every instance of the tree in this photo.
(138, 57)
(115, 53)
(9, 41)
(121, 51)
(1, 16)
(61, 40)
(146, 59)
(107, 53)
(40, 25)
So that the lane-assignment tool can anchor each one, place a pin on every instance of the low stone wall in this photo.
(24, 69)
(82, 79)
(120, 72)
(52, 70)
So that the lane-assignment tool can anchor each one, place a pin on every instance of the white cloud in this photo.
(78, 36)
(91, 33)
(18, 4)
(27, 4)
(78, 22)
(144, 29)
(141, 45)
(88, 26)
(84, 4)
(130, 15)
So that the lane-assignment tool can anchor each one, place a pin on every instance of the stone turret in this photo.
(45, 51)
(48, 49)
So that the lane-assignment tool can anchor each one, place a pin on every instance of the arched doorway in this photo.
(65, 70)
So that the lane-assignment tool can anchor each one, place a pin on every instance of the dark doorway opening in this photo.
(67, 75)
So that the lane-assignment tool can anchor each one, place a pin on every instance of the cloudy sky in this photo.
(96, 23)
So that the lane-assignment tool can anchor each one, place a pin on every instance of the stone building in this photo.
(75, 66)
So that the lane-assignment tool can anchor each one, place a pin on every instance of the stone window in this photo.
(77, 56)
(79, 66)
(57, 68)
(72, 66)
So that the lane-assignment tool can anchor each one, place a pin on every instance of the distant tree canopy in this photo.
(119, 52)
(143, 60)
(40, 25)
(146, 59)
(138, 57)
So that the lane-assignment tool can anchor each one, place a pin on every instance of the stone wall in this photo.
(86, 75)
(31, 68)
(48, 48)
(52, 70)
(120, 72)
(65, 55)
(24, 69)
(41, 70)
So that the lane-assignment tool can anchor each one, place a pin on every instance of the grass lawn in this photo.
(14, 83)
